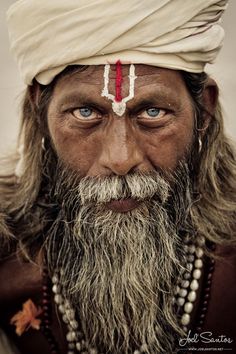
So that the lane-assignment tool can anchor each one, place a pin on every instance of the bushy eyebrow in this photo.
(159, 98)
(80, 99)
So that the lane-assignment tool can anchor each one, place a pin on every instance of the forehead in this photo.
(93, 75)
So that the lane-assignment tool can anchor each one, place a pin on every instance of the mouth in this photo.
(123, 205)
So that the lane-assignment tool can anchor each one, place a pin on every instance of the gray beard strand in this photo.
(120, 269)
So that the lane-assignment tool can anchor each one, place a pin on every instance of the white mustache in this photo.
(136, 186)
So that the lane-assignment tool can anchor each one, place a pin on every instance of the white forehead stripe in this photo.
(119, 107)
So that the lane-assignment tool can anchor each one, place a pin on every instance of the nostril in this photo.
(123, 168)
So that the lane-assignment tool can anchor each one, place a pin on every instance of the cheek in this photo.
(76, 149)
(166, 147)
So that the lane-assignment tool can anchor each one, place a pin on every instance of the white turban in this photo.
(48, 35)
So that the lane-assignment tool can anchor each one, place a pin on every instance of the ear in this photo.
(35, 93)
(209, 101)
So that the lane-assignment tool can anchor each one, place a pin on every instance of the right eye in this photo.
(85, 113)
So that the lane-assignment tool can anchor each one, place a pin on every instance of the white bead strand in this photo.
(186, 291)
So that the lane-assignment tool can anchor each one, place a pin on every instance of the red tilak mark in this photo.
(118, 97)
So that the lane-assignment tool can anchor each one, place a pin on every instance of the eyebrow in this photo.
(81, 98)
(156, 98)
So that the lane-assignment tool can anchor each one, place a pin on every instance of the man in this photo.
(118, 221)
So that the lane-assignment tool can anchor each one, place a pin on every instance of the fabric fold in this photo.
(46, 36)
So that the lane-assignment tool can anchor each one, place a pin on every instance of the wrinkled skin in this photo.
(104, 143)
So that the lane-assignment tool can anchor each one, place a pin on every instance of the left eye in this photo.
(85, 113)
(153, 112)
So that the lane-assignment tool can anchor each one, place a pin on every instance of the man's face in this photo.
(154, 132)
(121, 262)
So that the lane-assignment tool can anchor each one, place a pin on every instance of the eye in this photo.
(152, 112)
(85, 113)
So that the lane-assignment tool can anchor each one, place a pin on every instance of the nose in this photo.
(120, 151)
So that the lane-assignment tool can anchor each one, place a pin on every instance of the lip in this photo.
(123, 205)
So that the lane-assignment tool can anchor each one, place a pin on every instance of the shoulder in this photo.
(18, 279)
(221, 313)
(226, 253)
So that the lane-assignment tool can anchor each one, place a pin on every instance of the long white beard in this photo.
(119, 269)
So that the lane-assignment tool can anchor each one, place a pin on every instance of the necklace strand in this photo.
(185, 296)
(186, 291)
(46, 315)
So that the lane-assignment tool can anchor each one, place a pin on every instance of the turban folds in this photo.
(46, 36)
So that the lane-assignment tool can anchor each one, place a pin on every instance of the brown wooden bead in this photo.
(45, 301)
(46, 295)
(46, 315)
(46, 327)
(198, 329)
(206, 296)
